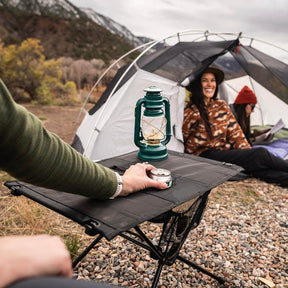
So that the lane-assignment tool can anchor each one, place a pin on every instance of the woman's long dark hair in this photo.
(197, 98)
(243, 120)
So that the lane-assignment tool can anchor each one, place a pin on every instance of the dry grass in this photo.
(245, 192)
(22, 216)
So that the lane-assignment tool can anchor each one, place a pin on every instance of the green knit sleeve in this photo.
(31, 153)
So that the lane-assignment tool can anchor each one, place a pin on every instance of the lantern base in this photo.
(153, 153)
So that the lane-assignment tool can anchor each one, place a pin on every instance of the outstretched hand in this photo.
(135, 178)
(32, 256)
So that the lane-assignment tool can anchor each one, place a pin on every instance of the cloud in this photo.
(261, 19)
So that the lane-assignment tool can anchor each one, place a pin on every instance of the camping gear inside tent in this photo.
(107, 130)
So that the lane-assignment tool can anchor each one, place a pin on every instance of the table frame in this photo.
(167, 250)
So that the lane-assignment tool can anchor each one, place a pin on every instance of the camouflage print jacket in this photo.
(226, 131)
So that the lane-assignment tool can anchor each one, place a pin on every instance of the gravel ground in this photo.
(242, 237)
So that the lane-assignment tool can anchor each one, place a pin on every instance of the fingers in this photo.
(136, 178)
(65, 262)
(158, 184)
(33, 256)
(147, 166)
(56, 259)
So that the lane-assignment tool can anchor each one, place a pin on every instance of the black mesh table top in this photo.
(192, 176)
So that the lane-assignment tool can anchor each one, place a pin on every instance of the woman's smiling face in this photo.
(208, 82)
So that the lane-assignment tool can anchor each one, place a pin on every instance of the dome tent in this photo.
(107, 129)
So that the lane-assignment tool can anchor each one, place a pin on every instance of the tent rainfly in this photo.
(107, 130)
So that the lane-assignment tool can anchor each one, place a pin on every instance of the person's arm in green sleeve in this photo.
(31, 153)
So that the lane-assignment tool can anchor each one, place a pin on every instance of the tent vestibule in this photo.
(108, 128)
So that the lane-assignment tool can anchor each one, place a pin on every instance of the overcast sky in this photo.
(266, 20)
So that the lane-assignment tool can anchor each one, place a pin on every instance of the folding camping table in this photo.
(193, 178)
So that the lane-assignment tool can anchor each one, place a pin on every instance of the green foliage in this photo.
(25, 71)
(65, 93)
(43, 94)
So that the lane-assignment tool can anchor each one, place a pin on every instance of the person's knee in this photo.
(266, 160)
(261, 153)
(258, 159)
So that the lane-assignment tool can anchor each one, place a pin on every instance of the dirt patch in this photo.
(61, 120)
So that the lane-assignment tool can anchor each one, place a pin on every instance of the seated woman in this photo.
(210, 130)
(242, 109)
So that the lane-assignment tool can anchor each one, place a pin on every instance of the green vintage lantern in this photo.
(152, 125)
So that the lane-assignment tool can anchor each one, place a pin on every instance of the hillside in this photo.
(61, 34)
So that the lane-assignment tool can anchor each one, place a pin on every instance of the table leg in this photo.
(219, 279)
(157, 275)
(86, 251)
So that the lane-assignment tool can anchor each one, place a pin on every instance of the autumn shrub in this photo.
(25, 71)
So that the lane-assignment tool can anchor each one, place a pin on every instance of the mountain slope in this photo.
(113, 27)
(64, 30)
(61, 8)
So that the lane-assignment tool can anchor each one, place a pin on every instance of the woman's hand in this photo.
(135, 178)
(31, 256)
(264, 136)
(260, 132)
